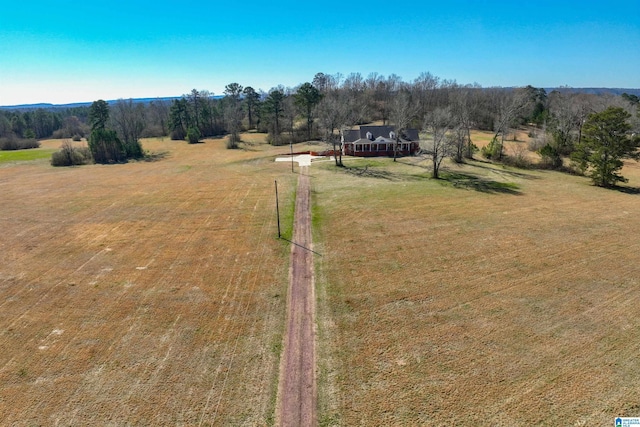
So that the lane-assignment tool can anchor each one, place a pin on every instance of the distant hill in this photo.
(45, 106)
(595, 90)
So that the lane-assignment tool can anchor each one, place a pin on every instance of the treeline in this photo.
(323, 107)
(73, 123)
(319, 108)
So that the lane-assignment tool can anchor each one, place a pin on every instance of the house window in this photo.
(374, 147)
(358, 147)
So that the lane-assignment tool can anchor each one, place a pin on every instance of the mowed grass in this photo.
(147, 293)
(495, 296)
(25, 155)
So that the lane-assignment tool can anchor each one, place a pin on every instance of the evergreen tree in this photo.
(252, 101)
(104, 143)
(274, 107)
(307, 97)
(98, 114)
(606, 141)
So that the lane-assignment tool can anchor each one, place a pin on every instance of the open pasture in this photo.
(24, 155)
(495, 296)
(147, 293)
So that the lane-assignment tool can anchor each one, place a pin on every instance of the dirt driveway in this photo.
(297, 386)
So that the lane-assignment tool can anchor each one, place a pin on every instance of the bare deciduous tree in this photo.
(425, 86)
(335, 113)
(128, 121)
(511, 105)
(438, 147)
(402, 112)
(157, 118)
(460, 101)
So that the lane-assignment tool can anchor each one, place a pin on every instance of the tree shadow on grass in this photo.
(245, 147)
(500, 171)
(367, 172)
(155, 157)
(473, 182)
(483, 185)
(627, 190)
(456, 179)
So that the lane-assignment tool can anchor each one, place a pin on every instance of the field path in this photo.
(297, 387)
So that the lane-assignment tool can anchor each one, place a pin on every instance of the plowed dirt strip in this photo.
(297, 390)
(142, 294)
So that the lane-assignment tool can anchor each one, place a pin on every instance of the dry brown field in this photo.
(147, 293)
(496, 296)
(154, 293)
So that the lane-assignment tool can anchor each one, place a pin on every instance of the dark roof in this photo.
(411, 135)
(376, 131)
(351, 135)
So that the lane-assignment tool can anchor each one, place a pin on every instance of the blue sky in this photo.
(70, 51)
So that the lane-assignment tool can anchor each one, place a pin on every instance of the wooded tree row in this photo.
(73, 122)
(318, 109)
(322, 108)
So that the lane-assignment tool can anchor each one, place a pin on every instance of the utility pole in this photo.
(291, 153)
(277, 209)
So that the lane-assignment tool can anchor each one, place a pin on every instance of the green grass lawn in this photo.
(25, 155)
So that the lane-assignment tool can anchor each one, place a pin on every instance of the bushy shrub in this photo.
(58, 134)
(133, 150)
(14, 143)
(193, 135)
(491, 150)
(72, 128)
(550, 157)
(232, 142)
(77, 138)
(536, 143)
(518, 157)
(517, 160)
(26, 144)
(71, 156)
(9, 143)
